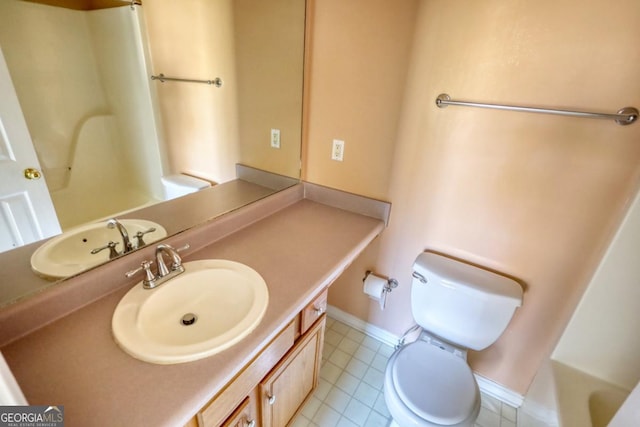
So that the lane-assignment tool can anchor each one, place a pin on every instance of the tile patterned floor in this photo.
(350, 390)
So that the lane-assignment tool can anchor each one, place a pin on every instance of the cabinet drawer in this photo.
(313, 311)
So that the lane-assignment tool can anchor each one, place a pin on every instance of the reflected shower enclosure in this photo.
(82, 78)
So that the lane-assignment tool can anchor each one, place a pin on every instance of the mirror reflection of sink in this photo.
(210, 307)
(70, 252)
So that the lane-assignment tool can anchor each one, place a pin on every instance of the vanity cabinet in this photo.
(289, 384)
(271, 389)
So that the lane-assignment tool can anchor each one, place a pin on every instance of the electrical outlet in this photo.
(337, 150)
(275, 138)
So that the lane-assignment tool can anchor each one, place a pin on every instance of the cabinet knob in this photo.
(251, 423)
(318, 310)
(272, 399)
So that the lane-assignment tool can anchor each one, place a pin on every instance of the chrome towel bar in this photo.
(625, 116)
(217, 82)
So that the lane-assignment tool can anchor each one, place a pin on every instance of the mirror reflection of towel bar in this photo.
(217, 82)
(625, 116)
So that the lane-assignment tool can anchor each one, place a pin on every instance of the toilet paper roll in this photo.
(375, 287)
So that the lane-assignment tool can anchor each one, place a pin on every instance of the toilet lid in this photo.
(435, 384)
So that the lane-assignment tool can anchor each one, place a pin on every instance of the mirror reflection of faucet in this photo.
(112, 249)
(128, 246)
(114, 223)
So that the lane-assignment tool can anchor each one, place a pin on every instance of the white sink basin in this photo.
(70, 252)
(226, 298)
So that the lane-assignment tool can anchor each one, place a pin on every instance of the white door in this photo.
(26, 210)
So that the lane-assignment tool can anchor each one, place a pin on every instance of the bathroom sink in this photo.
(70, 252)
(210, 307)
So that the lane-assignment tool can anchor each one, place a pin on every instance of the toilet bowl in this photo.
(426, 386)
(458, 306)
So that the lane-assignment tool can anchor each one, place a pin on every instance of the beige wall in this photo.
(269, 37)
(194, 39)
(360, 52)
(536, 197)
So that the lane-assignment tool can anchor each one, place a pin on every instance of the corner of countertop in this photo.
(355, 203)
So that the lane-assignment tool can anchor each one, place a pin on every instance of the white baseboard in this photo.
(487, 386)
(499, 391)
(362, 326)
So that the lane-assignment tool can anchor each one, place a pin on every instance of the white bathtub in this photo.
(562, 396)
(584, 400)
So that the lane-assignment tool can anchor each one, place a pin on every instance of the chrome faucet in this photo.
(127, 245)
(164, 273)
(176, 261)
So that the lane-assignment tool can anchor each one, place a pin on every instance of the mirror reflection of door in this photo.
(26, 212)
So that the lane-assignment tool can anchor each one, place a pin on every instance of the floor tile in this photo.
(347, 382)
(311, 407)
(337, 399)
(366, 394)
(357, 412)
(350, 389)
(356, 336)
(509, 412)
(380, 362)
(364, 354)
(341, 328)
(371, 343)
(348, 345)
(332, 337)
(326, 416)
(488, 418)
(385, 350)
(340, 358)
(374, 378)
(381, 407)
(322, 390)
(346, 422)
(356, 368)
(376, 420)
(330, 372)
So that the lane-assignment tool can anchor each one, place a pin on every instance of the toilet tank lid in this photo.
(467, 277)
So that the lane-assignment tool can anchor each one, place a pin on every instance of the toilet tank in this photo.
(465, 305)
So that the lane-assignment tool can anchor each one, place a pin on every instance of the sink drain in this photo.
(188, 319)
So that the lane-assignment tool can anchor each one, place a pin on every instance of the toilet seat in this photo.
(437, 386)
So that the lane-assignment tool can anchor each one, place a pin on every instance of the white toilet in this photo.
(428, 382)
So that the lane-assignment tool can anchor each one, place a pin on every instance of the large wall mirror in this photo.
(102, 133)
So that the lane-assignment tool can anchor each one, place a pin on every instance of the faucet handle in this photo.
(183, 248)
(177, 265)
(140, 234)
(150, 278)
(112, 249)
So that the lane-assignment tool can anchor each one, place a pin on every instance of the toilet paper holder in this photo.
(391, 283)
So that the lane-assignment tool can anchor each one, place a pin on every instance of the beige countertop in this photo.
(75, 362)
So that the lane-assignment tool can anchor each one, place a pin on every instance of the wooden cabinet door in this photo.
(289, 384)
